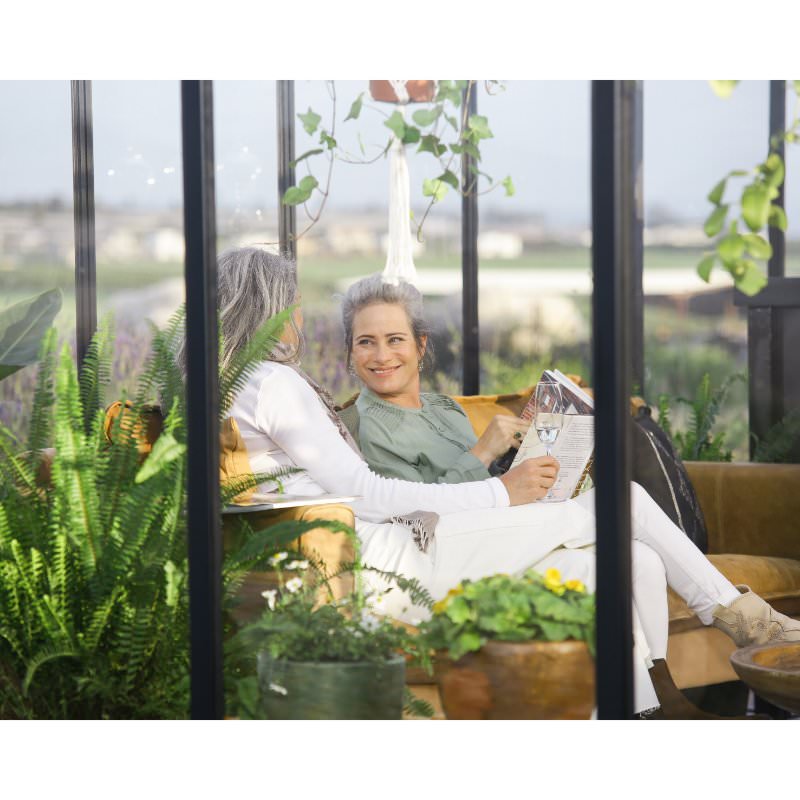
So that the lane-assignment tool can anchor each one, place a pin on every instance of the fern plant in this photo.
(698, 442)
(93, 557)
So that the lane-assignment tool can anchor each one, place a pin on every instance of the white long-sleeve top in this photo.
(283, 422)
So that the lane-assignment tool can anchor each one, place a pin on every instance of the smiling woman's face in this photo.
(385, 356)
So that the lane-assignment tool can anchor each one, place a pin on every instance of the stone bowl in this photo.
(771, 671)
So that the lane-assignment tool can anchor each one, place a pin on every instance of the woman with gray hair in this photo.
(407, 434)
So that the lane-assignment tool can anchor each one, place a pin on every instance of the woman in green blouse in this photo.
(404, 433)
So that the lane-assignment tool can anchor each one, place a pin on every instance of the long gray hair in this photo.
(371, 290)
(252, 286)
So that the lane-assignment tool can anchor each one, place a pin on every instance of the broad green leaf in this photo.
(461, 85)
(305, 155)
(295, 195)
(310, 121)
(411, 135)
(508, 185)
(453, 121)
(480, 126)
(435, 189)
(22, 328)
(723, 89)
(757, 246)
(164, 452)
(448, 92)
(755, 206)
(777, 218)
(355, 109)
(327, 140)
(458, 610)
(715, 195)
(713, 225)
(431, 144)
(730, 248)
(705, 265)
(427, 116)
(308, 184)
(472, 150)
(396, 124)
(749, 278)
(448, 177)
(773, 170)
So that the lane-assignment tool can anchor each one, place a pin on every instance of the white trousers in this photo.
(541, 535)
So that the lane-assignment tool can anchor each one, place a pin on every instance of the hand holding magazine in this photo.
(574, 447)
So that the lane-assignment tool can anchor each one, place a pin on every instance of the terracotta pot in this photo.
(418, 91)
(519, 680)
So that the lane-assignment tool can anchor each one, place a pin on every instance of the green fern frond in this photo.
(41, 424)
(247, 360)
(233, 487)
(50, 653)
(779, 441)
(95, 373)
(415, 706)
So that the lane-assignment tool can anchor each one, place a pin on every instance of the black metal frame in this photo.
(202, 401)
(83, 215)
(617, 313)
(469, 264)
(613, 190)
(287, 215)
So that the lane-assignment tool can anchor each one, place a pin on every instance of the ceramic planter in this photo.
(519, 680)
(331, 690)
(418, 91)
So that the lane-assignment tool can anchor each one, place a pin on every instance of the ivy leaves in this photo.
(739, 253)
(740, 244)
(443, 130)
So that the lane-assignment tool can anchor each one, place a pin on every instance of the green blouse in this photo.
(429, 444)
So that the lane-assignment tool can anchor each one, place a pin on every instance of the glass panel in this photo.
(36, 226)
(139, 214)
(692, 139)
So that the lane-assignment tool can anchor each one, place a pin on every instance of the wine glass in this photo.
(548, 418)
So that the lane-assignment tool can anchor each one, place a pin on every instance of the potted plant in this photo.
(326, 660)
(443, 129)
(514, 648)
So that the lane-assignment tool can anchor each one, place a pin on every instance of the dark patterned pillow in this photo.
(659, 469)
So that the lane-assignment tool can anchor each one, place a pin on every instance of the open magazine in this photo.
(574, 447)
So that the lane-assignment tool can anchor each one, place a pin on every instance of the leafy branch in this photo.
(737, 225)
(444, 129)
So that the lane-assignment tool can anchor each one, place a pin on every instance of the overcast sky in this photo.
(541, 130)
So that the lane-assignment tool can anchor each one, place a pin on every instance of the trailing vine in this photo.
(737, 225)
(444, 129)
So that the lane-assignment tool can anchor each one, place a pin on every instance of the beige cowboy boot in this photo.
(751, 620)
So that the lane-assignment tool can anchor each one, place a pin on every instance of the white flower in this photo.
(276, 687)
(297, 565)
(294, 584)
(416, 622)
(269, 595)
(369, 622)
(277, 558)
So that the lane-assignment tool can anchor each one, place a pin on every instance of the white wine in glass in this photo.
(549, 418)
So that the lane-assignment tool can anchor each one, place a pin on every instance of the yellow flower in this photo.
(552, 581)
(575, 586)
(441, 605)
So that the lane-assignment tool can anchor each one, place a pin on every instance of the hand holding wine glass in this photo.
(549, 418)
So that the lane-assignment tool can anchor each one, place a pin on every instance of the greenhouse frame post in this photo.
(611, 193)
(202, 402)
(469, 262)
(84, 217)
(287, 215)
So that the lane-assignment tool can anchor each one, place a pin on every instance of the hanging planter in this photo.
(418, 91)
